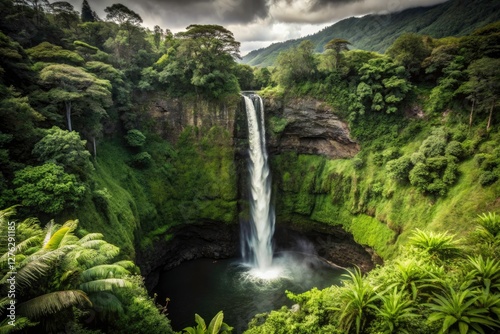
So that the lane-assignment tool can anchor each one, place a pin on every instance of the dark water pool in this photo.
(206, 286)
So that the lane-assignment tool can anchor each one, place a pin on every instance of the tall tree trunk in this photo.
(490, 116)
(67, 104)
(471, 113)
(95, 146)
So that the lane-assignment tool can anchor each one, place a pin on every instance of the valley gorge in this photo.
(311, 129)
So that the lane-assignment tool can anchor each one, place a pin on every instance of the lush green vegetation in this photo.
(65, 278)
(131, 131)
(437, 284)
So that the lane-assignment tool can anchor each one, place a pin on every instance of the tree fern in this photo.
(52, 303)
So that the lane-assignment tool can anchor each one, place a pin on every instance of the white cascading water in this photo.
(256, 246)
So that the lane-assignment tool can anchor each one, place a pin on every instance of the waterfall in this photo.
(256, 241)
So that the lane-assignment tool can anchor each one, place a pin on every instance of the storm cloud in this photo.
(256, 23)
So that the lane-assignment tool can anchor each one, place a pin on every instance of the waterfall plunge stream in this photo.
(257, 248)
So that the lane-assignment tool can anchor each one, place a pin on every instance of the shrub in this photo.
(357, 163)
(135, 138)
(399, 168)
(101, 197)
(441, 245)
(419, 176)
(141, 160)
(47, 188)
(417, 157)
(433, 146)
(454, 148)
(487, 178)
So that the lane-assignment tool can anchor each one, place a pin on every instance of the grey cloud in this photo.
(322, 11)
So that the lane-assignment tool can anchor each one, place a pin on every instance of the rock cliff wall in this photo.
(311, 127)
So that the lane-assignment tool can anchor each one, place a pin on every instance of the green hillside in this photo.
(378, 32)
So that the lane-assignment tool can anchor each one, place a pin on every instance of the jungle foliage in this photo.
(78, 138)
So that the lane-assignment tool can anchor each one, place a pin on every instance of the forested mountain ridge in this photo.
(377, 32)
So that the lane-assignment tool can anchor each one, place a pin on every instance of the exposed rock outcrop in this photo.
(171, 116)
(311, 128)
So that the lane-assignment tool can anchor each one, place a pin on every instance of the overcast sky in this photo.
(255, 23)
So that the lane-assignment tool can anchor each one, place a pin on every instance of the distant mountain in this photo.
(378, 32)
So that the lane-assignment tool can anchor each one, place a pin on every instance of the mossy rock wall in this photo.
(191, 178)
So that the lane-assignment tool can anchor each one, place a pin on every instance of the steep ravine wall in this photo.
(314, 183)
(210, 237)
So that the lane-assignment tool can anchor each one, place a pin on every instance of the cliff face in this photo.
(171, 116)
(311, 128)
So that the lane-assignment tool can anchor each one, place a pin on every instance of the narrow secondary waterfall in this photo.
(256, 242)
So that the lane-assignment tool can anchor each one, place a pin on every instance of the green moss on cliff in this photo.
(378, 210)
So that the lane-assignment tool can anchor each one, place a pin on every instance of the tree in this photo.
(64, 148)
(245, 76)
(409, 50)
(483, 85)
(87, 13)
(213, 39)
(296, 65)
(50, 53)
(47, 188)
(64, 13)
(201, 59)
(122, 15)
(158, 36)
(383, 85)
(337, 46)
(76, 89)
(130, 41)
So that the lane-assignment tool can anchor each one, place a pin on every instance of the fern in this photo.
(106, 284)
(52, 303)
(103, 271)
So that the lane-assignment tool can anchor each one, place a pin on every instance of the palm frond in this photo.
(107, 284)
(52, 303)
(103, 271)
(21, 323)
(90, 236)
(20, 247)
(107, 302)
(56, 238)
(93, 244)
(129, 265)
(49, 229)
(34, 267)
(5, 214)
